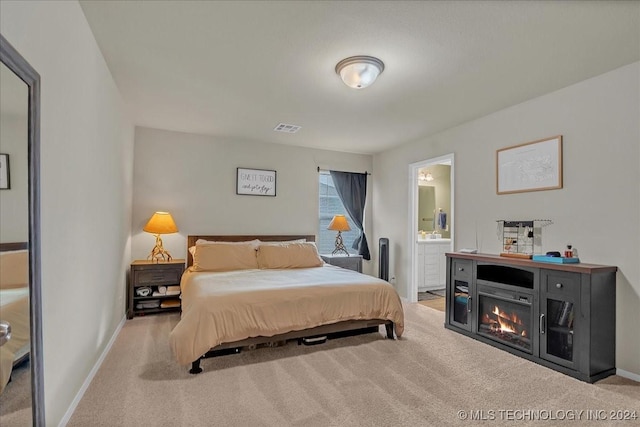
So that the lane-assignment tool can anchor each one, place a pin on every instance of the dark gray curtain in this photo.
(352, 190)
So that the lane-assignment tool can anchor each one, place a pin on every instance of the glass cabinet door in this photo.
(557, 338)
(462, 307)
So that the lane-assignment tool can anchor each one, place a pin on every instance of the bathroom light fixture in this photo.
(425, 177)
(359, 72)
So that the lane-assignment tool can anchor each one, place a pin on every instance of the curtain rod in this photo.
(327, 170)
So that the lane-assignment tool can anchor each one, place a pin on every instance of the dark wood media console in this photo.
(558, 315)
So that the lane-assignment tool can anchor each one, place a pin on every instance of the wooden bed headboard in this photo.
(14, 246)
(191, 240)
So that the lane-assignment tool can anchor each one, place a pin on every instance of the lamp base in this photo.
(158, 252)
(339, 245)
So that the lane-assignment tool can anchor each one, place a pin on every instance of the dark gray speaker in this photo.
(383, 258)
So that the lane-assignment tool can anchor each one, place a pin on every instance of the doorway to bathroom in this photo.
(431, 228)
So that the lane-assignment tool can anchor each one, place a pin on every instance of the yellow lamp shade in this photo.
(161, 223)
(339, 223)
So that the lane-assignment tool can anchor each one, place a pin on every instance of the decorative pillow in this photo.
(14, 269)
(223, 257)
(289, 255)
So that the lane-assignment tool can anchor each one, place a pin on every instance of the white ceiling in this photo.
(237, 69)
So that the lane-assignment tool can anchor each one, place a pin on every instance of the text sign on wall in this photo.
(256, 182)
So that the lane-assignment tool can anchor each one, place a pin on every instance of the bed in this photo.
(231, 300)
(14, 307)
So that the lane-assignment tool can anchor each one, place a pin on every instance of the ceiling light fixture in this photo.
(359, 72)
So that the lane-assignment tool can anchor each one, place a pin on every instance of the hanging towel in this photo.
(442, 220)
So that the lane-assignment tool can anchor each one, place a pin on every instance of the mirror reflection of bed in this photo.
(15, 396)
(14, 324)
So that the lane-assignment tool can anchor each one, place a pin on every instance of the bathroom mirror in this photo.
(426, 208)
(22, 398)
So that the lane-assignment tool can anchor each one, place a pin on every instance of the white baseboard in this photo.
(627, 374)
(94, 371)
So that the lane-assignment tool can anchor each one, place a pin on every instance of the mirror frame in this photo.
(10, 57)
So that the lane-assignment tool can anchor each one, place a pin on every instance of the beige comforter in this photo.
(231, 306)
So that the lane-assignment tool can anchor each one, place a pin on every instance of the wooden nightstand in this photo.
(152, 275)
(352, 262)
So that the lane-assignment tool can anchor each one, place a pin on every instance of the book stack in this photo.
(565, 314)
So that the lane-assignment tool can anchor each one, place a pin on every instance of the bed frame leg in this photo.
(195, 367)
(389, 327)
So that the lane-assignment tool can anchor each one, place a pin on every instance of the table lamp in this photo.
(339, 223)
(160, 223)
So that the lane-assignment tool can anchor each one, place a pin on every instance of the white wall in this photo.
(194, 178)
(598, 210)
(14, 203)
(86, 176)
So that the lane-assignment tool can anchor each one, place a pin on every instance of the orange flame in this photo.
(507, 320)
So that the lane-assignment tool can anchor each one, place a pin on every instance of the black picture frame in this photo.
(5, 172)
(255, 182)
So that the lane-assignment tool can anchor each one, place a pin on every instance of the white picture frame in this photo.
(532, 166)
(255, 182)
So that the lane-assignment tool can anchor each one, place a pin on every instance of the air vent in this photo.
(283, 127)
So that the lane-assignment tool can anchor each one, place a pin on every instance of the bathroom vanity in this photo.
(432, 262)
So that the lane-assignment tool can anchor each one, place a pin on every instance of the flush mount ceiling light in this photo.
(359, 72)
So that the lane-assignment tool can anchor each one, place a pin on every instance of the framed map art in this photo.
(532, 166)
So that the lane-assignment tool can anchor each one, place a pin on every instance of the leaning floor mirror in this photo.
(21, 375)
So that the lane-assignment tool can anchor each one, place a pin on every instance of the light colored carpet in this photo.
(15, 400)
(435, 303)
(423, 379)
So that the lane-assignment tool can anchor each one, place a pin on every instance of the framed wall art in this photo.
(5, 175)
(255, 182)
(532, 166)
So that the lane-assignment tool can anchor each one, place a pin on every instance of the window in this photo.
(330, 205)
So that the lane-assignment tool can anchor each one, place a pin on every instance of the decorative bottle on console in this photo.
(568, 253)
